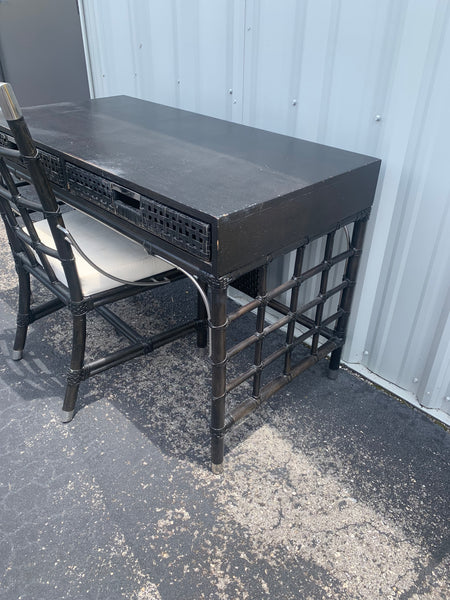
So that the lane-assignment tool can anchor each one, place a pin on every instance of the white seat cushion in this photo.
(111, 251)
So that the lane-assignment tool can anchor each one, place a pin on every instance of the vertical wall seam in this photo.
(146, 75)
(393, 27)
(86, 46)
(176, 50)
(244, 60)
(229, 58)
(133, 40)
(251, 76)
(296, 68)
(327, 82)
(196, 61)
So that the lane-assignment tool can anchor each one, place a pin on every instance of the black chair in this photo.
(85, 264)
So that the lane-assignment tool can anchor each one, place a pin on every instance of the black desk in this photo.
(219, 200)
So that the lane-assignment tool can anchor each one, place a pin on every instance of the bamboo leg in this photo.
(218, 326)
(323, 288)
(23, 313)
(262, 289)
(293, 307)
(76, 364)
(351, 271)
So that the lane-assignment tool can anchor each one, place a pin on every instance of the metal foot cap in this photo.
(217, 469)
(67, 415)
(17, 354)
(333, 373)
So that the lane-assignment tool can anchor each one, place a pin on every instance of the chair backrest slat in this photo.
(21, 241)
(45, 205)
(9, 152)
(38, 247)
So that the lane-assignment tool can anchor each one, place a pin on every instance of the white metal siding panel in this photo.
(323, 70)
(180, 53)
(409, 318)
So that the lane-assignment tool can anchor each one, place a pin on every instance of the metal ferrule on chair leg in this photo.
(67, 416)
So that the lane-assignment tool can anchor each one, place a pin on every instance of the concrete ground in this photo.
(331, 490)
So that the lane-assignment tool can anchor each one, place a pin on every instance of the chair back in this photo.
(21, 169)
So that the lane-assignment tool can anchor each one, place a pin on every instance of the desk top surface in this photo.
(260, 194)
(214, 167)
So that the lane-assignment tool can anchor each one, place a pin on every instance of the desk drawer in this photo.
(176, 227)
(88, 185)
(167, 223)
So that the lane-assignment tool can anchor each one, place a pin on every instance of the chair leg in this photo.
(23, 313)
(76, 364)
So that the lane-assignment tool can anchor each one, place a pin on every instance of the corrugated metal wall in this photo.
(368, 76)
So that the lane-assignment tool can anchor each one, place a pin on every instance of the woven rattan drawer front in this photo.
(88, 185)
(52, 164)
(53, 168)
(173, 226)
(179, 229)
(5, 140)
